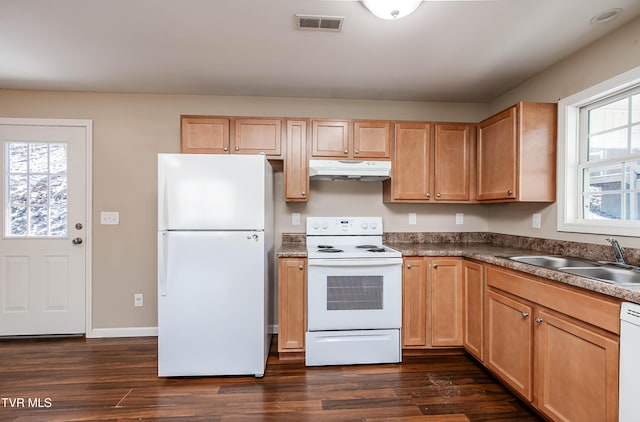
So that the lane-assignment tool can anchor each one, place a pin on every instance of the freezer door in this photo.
(212, 289)
(212, 192)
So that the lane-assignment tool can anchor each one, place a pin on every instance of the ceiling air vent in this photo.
(319, 23)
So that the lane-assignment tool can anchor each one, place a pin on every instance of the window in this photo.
(36, 189)
(599, 158)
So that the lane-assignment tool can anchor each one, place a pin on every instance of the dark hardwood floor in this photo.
(77, 379)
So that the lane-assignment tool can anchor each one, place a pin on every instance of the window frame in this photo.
(570, 191)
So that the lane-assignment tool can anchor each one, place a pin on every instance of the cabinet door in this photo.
(256, 136)
(292, 315)
(473, 306)
(509, 341)
(414, 303)
(411, 162)
(577, 370)
(445, 279)
(452, 156)
(199, 134)
(296, 165)
(497, 156)
(330, 138)
(371, 139)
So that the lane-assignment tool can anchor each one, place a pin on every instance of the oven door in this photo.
(347, 294)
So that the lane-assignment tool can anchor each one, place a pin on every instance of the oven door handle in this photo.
(368, 262)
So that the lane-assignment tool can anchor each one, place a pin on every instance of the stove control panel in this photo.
(336, 226)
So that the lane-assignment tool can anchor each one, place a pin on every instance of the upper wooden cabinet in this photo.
(296, 164)
(517, 154)
(371, 139)
(347, 139)
(452, 162)
(411, 166)
(431, 162)
(205, 135)
(220, 135)
(258, 136)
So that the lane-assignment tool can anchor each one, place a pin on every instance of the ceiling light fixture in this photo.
(391, 9)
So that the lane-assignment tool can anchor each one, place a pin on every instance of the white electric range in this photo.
(354, 293)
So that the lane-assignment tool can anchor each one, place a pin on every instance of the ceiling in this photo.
(456, 51)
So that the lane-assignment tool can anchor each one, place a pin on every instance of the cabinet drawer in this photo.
(592, 308)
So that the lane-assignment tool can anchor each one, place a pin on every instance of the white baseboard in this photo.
(143, 332)
(123, 332)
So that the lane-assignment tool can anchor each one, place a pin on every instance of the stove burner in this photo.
(367, 246)
(325, 247)
(375, 249)
(330, 250)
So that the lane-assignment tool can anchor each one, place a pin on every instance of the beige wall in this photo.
(604, 59)
(129, 131)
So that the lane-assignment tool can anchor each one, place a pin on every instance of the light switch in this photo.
(459, 218)
(412, 218)
(295, 219)
(109, 217)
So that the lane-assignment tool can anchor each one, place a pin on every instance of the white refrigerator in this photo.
(215, 254)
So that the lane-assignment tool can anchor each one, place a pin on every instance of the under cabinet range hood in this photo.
(364, 171)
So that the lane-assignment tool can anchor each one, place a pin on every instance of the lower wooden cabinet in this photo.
(473, 308)
(577, 369)
(564, 360)
(510, 342)
(432, 302)
(292, 313)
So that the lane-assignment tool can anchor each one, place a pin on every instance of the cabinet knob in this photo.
(346, 151)
(237, 148)
(357, 151)
(438, 194)
(435, 265)
(428, 195)
(408, 266)
(303, 193)
(538, 320)
(301, 267)
(225, 149)
(524, 314)
(509, 192)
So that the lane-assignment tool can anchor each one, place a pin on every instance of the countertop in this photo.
(491, 254)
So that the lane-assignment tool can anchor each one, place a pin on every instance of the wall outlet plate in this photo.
(295, 219)
(536, 221)
(459, 218)
(109, 217)
(412, 218)
(138, 300)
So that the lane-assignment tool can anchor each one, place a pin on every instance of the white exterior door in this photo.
(43, 248)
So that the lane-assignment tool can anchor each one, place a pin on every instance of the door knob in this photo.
(76, 240)
(79, 226)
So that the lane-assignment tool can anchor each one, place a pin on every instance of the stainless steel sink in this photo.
(617, 276)
(601, 271)
(553, 261)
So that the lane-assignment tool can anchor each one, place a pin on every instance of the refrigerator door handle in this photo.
(163, 264)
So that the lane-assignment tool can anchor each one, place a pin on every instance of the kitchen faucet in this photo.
(617, 250)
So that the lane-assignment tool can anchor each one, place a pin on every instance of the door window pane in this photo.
(36, 175)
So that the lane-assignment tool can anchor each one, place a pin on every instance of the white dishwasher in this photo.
(629, 361)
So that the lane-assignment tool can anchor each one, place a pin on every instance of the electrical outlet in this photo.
(295, 219)
(459, 218)
(412, 218)
(536, 221)
(138, 300)
(109, 217)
